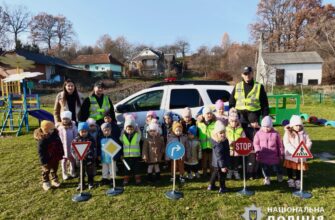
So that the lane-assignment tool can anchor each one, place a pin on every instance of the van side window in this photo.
(146, 101)
(181, 98)
(214, 95)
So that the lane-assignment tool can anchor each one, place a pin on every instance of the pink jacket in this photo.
(67, 134)
(292, 140)
(268, 147)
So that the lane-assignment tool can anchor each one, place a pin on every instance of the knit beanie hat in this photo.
(219, 104)
(186, 112)
(47, 125)
(267, 122)
(105, 125)
(153, 126)
(206, 110)
(233, 116)
(193, 130)
(83, 126)
(218, 127)
(107, 114)
(129, 122)
(66, 114)
(152, 114)
(91, 121)
(295, 120)
(176, 125)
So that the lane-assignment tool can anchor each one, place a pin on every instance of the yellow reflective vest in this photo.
(205, 132)
(232, 135)
(132, 148)
(251, 102)
(96, 112)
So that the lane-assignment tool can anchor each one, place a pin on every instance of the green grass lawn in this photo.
(22, 197)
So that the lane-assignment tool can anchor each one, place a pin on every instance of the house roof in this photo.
(147, 53)
(292, 57)
(96, 59)
(38, 57)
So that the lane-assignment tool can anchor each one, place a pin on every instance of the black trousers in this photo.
(134, 164)
(291, 172)
(217, 173)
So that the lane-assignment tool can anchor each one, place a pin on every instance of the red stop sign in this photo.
(243, 146)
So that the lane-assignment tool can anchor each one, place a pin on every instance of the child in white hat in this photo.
(153, 151)
(294, 134)
(67, 132)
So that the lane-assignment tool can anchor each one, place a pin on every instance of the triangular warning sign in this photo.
(302, 151)
(81, 148)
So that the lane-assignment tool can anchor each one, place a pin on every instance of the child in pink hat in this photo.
(269, 150)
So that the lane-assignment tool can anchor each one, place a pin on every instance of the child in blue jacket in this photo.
(107, 133)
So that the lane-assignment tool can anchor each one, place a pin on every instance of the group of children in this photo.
(209, 142)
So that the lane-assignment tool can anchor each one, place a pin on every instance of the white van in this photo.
(172, 96)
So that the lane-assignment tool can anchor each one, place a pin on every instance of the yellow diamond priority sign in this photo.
(111, 148)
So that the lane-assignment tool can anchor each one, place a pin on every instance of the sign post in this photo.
(80, 149)
(174, 150)
(243, 146)
(302, 152)
(112, 148)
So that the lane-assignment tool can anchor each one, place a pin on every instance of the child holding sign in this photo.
(294, 134)
(50, 151)
(107, 134)
(90, 157)
(269, 150)
(220, 157)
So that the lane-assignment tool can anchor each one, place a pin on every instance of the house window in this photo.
(299, 78)
(313, 82)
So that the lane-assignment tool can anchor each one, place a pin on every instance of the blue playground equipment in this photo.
(15, 106)
(317, 121)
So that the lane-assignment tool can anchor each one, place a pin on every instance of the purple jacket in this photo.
(268, 147)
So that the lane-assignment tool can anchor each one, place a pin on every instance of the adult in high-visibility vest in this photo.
(97, 105)
(249, 98)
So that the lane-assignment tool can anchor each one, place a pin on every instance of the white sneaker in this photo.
(46, 186)
(229, 174)
(237, 175)
(190, 176)
(291, 183)
(297, 184)
(197, 175)
(280, 178)
(267, 181)
(55, 183)
(65, 176)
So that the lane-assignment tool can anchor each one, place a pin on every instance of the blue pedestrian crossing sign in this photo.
(175, 150)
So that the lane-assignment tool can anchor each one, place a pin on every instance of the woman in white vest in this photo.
(68, 100)
(97, 105)
(249, 98)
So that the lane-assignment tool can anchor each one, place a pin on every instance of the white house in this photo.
(289, 68)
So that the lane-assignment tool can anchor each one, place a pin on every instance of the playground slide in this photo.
(41, 115)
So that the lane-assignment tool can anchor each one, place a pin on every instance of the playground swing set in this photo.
(16, 105)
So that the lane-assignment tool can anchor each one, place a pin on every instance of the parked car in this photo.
(52, 81)
(173, 96)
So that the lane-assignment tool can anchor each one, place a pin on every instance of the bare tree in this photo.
(183, 46)
(42, 29)
(3, 29)
(64, 31)
(17, 19)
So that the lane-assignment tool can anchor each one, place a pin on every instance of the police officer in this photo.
(249, 98)
(96, 105)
